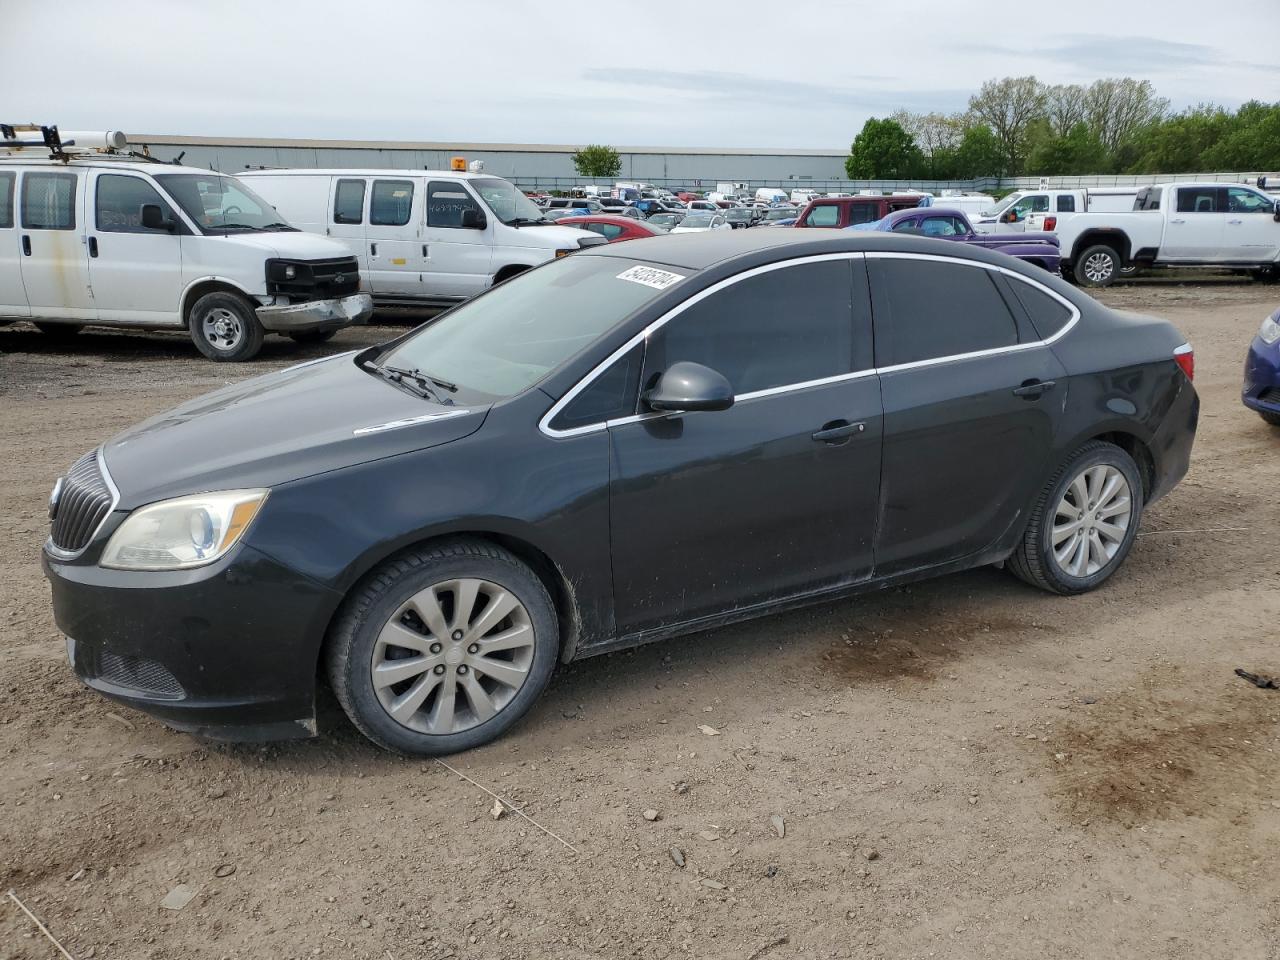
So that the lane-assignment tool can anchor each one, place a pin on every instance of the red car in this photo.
(614, 229)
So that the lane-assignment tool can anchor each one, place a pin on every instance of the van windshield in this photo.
(220, 204)
(507, 203)
(506, 340)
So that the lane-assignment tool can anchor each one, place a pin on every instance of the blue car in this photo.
(1262, 372)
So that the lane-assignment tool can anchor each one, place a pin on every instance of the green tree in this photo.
(883, 151)
(1078, 151)
(1008, 107)
(1178, 144)
(980, 154)
(597, 160)
(1253, 143)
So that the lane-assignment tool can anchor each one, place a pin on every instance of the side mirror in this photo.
(687, 387)
(473, 219)
(1010, 216)
(153, 217)
(1276, 215)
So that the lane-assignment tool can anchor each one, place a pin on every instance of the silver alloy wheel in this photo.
(1091, 521)
(222, 328)
(1098, 267)
(452, 656)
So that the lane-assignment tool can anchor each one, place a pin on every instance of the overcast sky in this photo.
(741, 73)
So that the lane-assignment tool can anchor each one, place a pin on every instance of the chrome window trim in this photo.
(60, 554)
(544, 424)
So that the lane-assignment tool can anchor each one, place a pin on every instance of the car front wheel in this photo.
(443, 648)
(1083, 523)
(225, 327)
(1097, 266)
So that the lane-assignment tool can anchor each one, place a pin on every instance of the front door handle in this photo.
(838, 431)
(1177, 221)
(26, 245)
(93, 246)
(1033, 389)
(1235, 222)
(425, 255)
(373, 249)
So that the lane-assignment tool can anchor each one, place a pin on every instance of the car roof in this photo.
(369, 172)
(697, 251)
(902, 214)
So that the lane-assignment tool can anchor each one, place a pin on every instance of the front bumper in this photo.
(227, 651)
(314, 315)
(1261, 389)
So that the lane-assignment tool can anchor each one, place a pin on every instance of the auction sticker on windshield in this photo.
(650, 277)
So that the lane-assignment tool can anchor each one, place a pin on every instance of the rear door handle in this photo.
(837, 431)
(93, 246)
(1034, 389)
(26, 245)
(1237, 222)
(424, 252)
(1177, 221)
(373, 249)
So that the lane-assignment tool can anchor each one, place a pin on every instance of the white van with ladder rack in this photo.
(92, 233)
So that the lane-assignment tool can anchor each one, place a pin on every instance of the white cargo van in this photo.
(92, 235)
(422, 236)
(771, 195)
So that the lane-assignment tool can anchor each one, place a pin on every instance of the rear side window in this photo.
(608, 397)
(863, 213)
(610, 231)
(1201, 200)
(391, 202)
(774, 329)
(6, 199)
(1148, 198)
(827, 215)
(1066, 203)
(1048, 314)
(348, 202)
(118, 204)
(48, 201)
(446, 202)
(926, 309)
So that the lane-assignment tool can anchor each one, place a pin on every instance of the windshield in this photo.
(508, 339)
(1003, 205)
(506, 202)
(220, 204)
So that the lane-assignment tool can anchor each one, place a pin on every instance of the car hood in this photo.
(318, 416)
(556, 237)
(288, 244)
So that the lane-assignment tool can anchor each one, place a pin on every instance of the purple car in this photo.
(1038, 248)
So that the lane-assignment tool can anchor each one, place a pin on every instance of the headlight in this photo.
(182, 533)
(1270, 331)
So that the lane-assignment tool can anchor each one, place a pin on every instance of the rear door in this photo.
(461, 257)
(972, 401)
(393, 238)
(1195, 225)
(55, 260)
(13, 297)
(136, 272)
(1251, 234)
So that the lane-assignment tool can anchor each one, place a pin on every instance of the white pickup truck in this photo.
(1044, 209)
(1226, 225)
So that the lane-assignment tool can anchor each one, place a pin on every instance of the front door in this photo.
(394, 242)
(136, 272)
(13, 297)
(963, 452)
(774, 497)
(55, 267)
(1251, 234)
(1195, 226)
(347, 214)
(461, 257)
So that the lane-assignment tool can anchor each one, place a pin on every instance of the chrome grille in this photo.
(84, 502)
(139, 673)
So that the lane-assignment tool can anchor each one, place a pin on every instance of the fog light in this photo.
(290, 272)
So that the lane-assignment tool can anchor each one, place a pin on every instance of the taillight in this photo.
(1185, 357)
(1051, 223)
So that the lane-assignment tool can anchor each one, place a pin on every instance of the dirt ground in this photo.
(964, 768)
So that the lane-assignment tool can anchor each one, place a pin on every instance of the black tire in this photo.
(59, 331)
(235, 313)
(313, 336)
(1097, 266)
(350, 647)
(1271, 418)
(1033, 559)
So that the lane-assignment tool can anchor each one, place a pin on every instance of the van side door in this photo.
(13, 298)
(396, 248)
(55, 261)
(136, 271)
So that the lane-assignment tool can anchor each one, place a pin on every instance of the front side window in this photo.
(1035, 203)
(512, 336)
(6, 199)
(118, 204)
(826, 215)
(926, 309)
(773, 329)
(906, 225)
(220, 204)
(1240, 200)
(609, 396)
(446, 202)
(1200, 200)
(390, 203)
(348, 202)
(48, 201)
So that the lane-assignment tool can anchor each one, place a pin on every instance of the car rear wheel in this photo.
(1083, 523)
(1097, 266)
(443, 648)
(224, 327)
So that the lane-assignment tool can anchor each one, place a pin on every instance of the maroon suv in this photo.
(846, 211)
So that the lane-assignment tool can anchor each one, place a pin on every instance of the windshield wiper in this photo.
(234, 226)
(526, 222)
(416, 381)
(279, 226)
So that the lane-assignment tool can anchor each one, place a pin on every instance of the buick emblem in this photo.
(54, 497)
